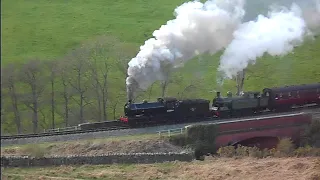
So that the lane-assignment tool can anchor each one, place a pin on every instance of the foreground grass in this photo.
(211, 168)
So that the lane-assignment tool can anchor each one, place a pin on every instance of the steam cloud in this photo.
(197, 28)
(217, 24)
(275, 34)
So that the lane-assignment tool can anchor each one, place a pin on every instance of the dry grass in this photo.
(212, 168)
(285, 148)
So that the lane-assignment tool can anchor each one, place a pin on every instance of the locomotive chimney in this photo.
(218, 94)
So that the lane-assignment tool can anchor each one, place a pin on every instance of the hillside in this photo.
(49, 30)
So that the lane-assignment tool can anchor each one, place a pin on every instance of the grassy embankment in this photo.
(50, 29)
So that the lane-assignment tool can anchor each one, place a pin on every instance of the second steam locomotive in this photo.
(174, 111)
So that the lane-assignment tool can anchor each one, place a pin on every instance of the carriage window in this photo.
(267, 94)
(289, 94)
(280, 95)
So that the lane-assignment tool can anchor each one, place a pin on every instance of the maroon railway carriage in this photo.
(288, 96)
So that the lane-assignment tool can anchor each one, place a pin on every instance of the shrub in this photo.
(284, 148)
(242, 151)
(255, 152)
(200, 138)
(202, 133)
(34, 150)
(311, 135)
(178, 140)
(307, 151)
(226, 151)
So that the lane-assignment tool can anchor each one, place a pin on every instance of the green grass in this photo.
(49, 29)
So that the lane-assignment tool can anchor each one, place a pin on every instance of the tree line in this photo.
(71, 90)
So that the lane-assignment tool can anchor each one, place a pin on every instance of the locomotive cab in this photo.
(220, 105)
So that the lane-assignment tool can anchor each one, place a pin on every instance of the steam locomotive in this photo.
(174, 111)
(278, 99)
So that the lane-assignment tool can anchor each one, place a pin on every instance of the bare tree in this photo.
(79, 81)
(9, 81)
(150, 90)
(240, 81)
(114, 102)
(193, 85)
(167, 74)
(32, 75)
(64, 76)
(99, 69)
(53, 70)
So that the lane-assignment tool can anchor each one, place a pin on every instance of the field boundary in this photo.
(133, 158)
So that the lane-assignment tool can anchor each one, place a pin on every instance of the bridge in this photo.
(263, 132)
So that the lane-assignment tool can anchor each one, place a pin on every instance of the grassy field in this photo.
(49, 29)
(211, 168)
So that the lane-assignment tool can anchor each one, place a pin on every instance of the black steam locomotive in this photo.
(165, 111)
(174, 111)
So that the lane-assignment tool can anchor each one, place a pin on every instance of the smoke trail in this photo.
(276, 34)
(197, 28)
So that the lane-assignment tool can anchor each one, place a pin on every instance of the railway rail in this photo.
(311, 109)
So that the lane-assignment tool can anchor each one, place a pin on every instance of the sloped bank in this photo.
(140, 158)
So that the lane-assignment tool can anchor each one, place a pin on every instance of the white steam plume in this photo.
(276, 34)
(197, 28)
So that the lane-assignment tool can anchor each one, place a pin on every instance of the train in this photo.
(170, 110)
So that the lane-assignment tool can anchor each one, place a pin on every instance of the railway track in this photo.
(62, 133)
(311, 109)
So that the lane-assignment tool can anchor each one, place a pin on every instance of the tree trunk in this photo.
(52, 103)
(66, 103)
(35, 112)
(16, 112)
(99, 104)
(81, 108)
(104, 106)
(66, 110)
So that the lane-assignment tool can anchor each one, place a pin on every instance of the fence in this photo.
(171, 132)
(71, 128)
